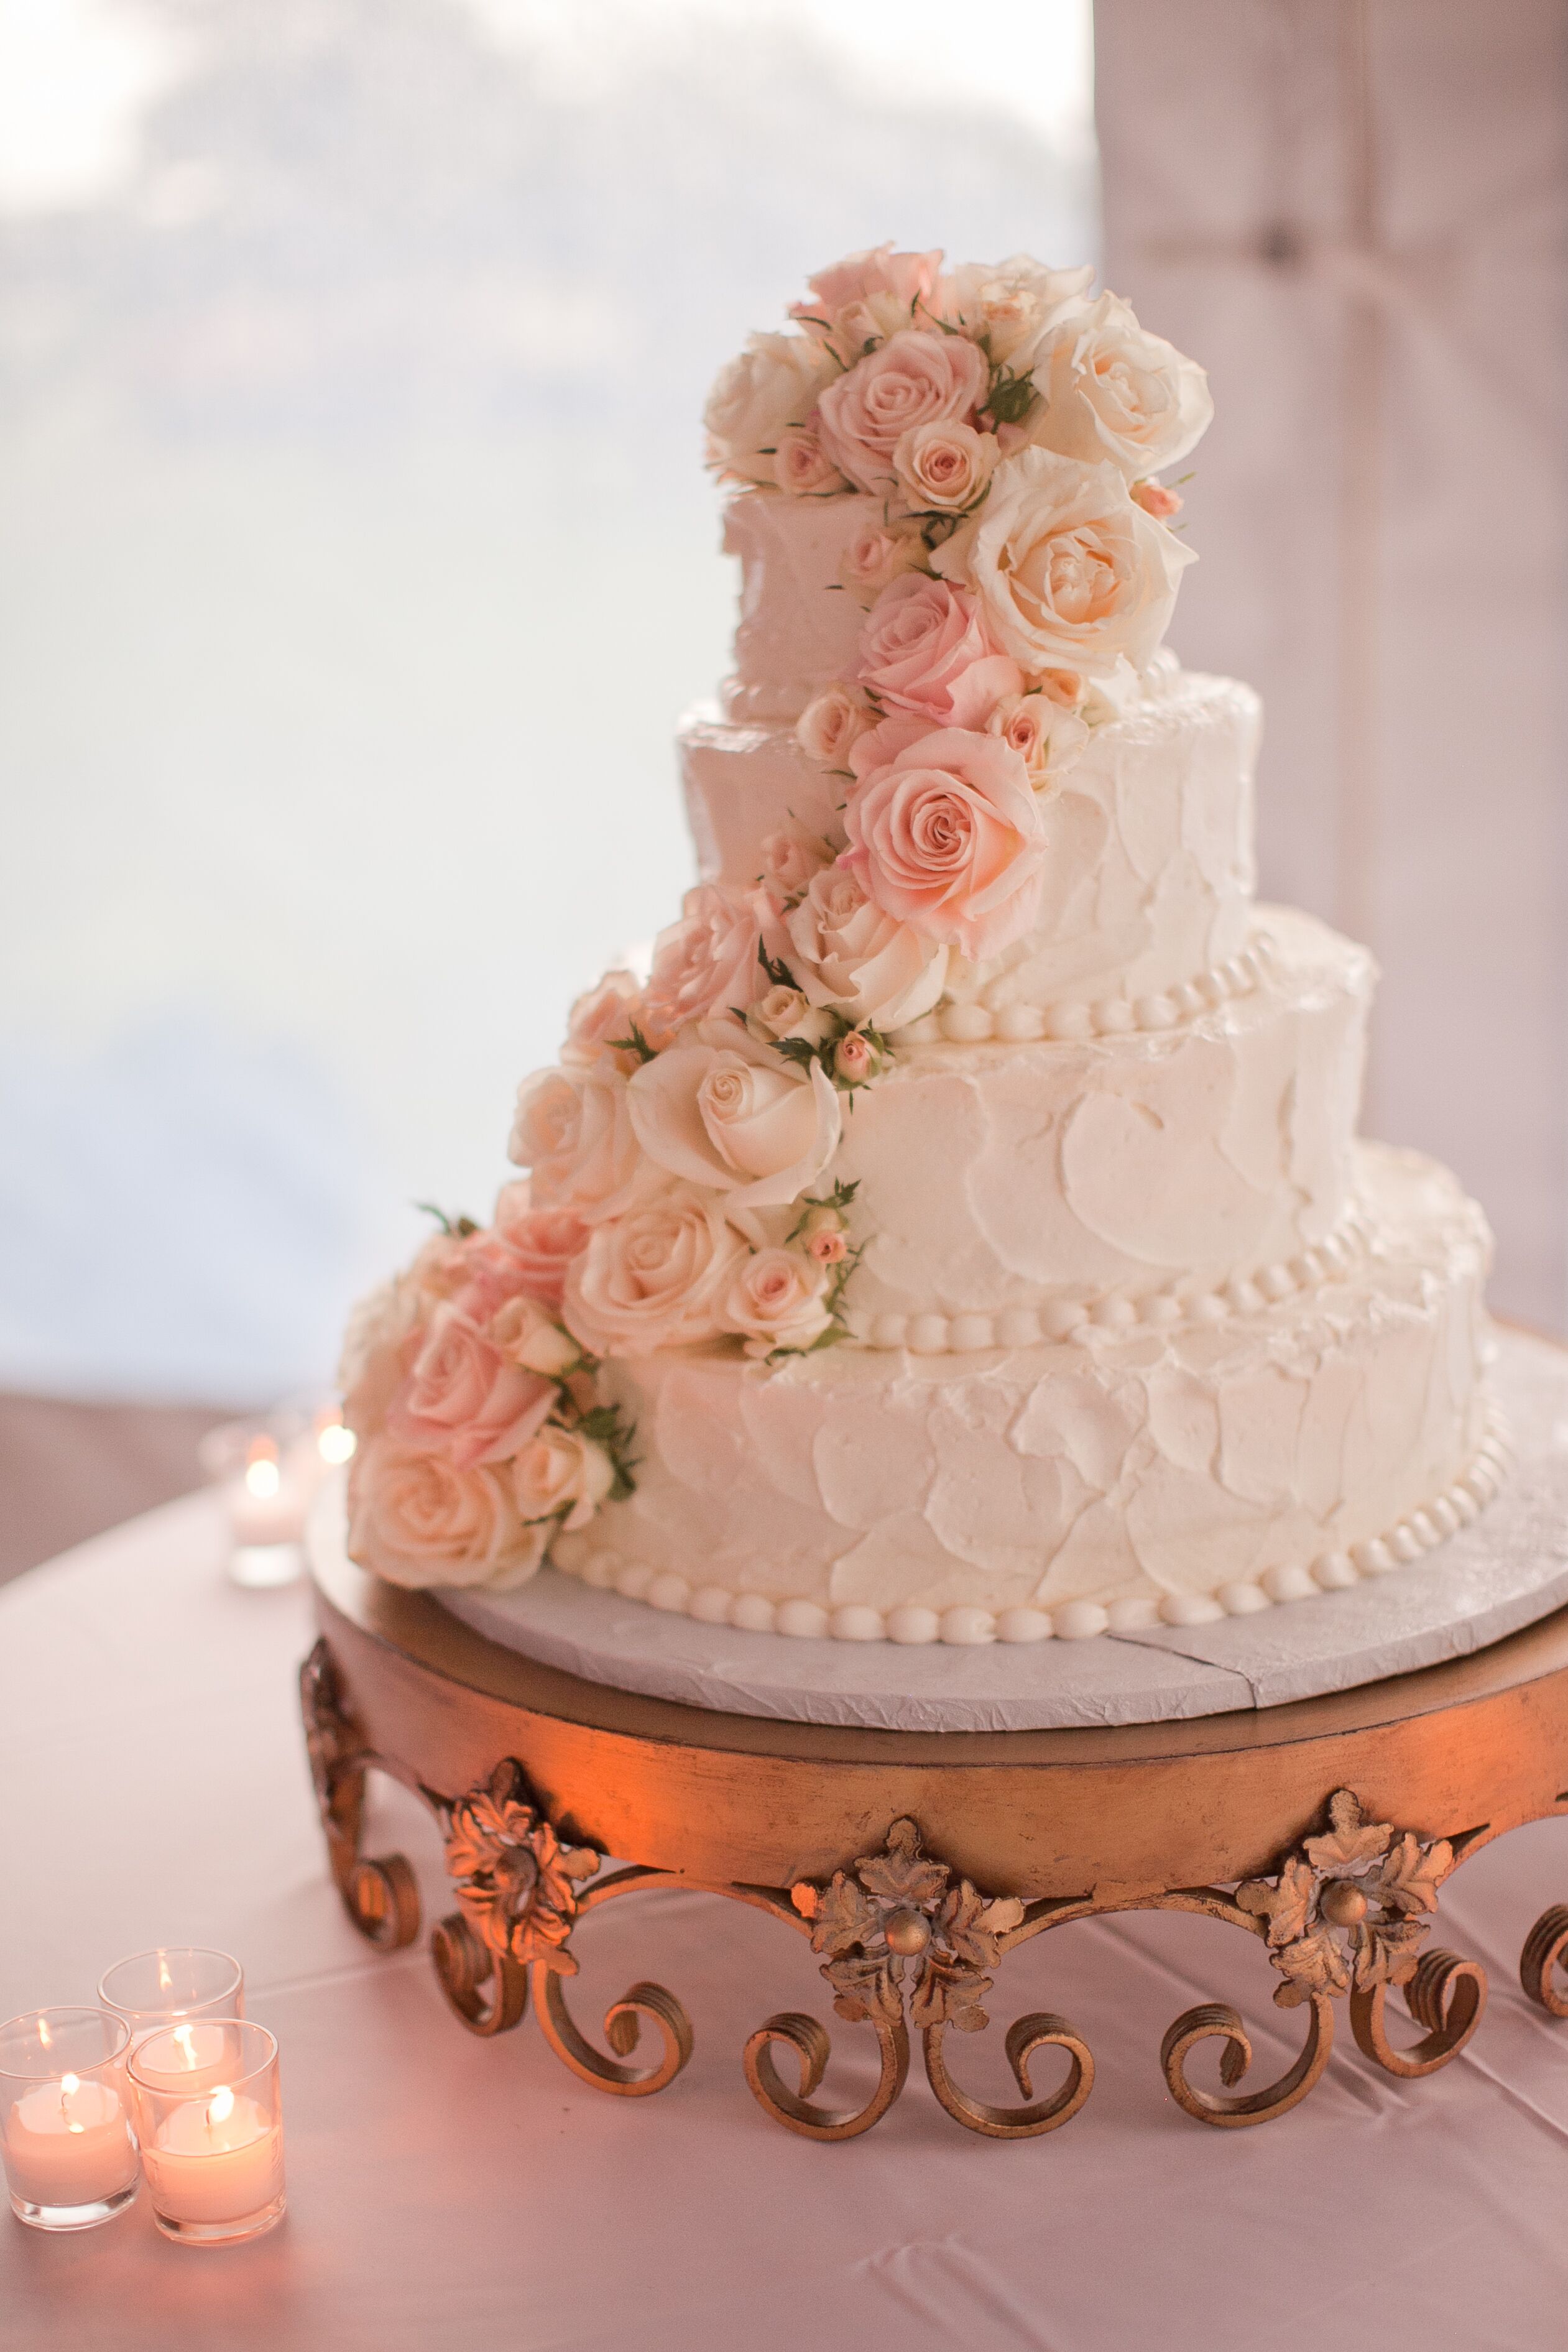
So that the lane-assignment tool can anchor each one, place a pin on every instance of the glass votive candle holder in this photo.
(213, 2152)
(179, 1985)
(65, 2132)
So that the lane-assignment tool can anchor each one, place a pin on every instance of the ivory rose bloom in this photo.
(1010, 302)
(526, 1336)
(925, 649)
(772, 384)
(792, 855)
(912, 378)
(1109, 389)
(802, 467)
(705, 963)
(599, 1017)
(736, 1117)
(778, 1299)
(868, 966)
(943, 467)
(949, 839)
(655, 1278)
(829, 724)
(1070, 574)
(417, 1519)
(1046, 736)
(544, 1242)
(573, 1129)
(878, 554)
(464, 1399)
(560, 1476)
(787, 1013)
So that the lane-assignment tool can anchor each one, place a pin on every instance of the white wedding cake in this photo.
(960, 1235)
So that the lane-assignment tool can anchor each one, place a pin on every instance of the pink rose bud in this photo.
(827, 1247)
(1067, 686)
(853, 1058)
(1156, 499)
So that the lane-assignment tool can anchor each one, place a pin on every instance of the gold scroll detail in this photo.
(1344, 1913)
(379, 1892)
(908, 1943)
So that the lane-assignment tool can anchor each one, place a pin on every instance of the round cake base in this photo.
(1508, 1570)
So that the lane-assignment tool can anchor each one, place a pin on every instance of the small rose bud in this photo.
(853, 1058)
(1157, 500)
(827, 1247)
(1067, 686)
(820, 1217)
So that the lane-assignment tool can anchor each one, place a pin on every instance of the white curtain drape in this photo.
(1353, 211)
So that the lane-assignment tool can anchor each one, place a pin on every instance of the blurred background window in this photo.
(356, 561)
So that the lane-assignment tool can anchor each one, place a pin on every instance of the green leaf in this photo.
(779, 974)
(459, 1227)
(636, 1044)
(1011, 396)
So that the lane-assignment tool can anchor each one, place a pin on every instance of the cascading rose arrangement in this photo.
(1002, 431)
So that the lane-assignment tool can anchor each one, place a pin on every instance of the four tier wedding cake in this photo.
(960, 1233)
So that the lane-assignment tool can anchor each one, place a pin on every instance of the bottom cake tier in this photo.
(1116, 1480)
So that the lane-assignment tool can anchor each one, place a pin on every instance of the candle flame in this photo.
(69, 2085)
(183, 2036)
(220, 2106)
(336, 1443)
(263, 1477)
(165, 1982)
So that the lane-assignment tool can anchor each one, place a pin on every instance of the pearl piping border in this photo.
(1070, 1620)
(1058, 1318)
(976, 1022)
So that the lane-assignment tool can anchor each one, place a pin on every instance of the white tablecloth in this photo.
(454, 2193)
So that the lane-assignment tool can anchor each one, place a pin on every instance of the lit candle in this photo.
(212, 2152)
(264, 1507)
(69, 2143)
(214, 2160)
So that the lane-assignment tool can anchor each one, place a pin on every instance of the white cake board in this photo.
(1505, 1571)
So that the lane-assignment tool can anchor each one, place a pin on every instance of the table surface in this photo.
(451, 2192)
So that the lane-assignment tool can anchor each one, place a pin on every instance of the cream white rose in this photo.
(1011, 303)
(562, 1475)
(1048, 734)
(737, 1117)
(573, 1129)
(864, 963)
(417, 1519)
(877, 555)
(787, 1013)
(526, 1335)
(791, 857)
(802, 467)
(772, 384)
(778, 1299)
(1109, 389)
(656, 1278)
(830, 724)
(1070, 572)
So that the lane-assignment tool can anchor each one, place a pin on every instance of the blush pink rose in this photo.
(886, 740)
(463, 1399)
(912, 378)
(540, 1242)
(792, 855)
(707, 963)
(572, 1128)
(829, 725)
(949, 839)
(777, 1300)
(599, 1017)
(417, 1519)
(877, 554)
(802, 467)
(924, 648)
(910, 278)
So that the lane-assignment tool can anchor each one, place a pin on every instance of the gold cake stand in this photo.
(915, 1861)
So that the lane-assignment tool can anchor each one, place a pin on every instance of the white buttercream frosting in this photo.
(1077, 1173)
(1118, 1479)
(798, 626)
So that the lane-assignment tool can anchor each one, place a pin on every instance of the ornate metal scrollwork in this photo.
(1344, 1913)
(908, 1944)
(379, 1892)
